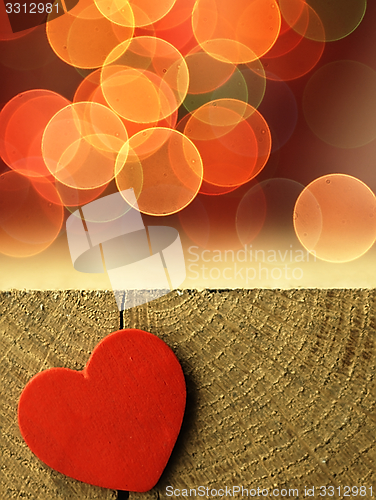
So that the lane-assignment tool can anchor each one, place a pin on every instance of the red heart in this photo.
(115, 423)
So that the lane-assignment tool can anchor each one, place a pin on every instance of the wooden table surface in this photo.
(281, 384)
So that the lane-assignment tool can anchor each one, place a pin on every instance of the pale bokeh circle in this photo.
(335, 218)
(164, 169)
(339, 17)
(339, 104)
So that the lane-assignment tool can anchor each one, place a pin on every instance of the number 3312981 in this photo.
(31, 8)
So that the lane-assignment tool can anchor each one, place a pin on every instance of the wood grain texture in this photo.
(40, 330)
(281, 384)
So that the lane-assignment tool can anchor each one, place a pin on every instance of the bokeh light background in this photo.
(249, 126)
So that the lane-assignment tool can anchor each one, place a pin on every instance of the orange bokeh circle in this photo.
(239, 31)
(22, 123)
(83, 37)
(28, 222)
(90, 90)
(145, 81)
(80, 145)
(233, 139)
(134, 12)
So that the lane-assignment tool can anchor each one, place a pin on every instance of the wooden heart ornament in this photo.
(115, 423)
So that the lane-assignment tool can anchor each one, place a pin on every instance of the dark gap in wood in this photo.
(123, 495)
